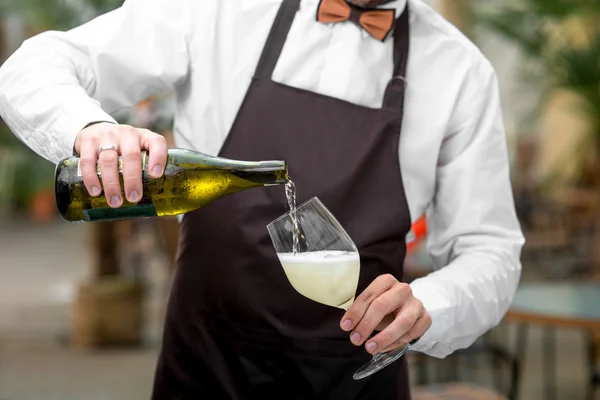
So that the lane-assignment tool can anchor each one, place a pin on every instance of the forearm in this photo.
(58, 82)
(468, 297)
(43, 98)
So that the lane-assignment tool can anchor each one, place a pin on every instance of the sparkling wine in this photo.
(290, 193)
(327, 277)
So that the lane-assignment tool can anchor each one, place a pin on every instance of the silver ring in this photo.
(109, 147)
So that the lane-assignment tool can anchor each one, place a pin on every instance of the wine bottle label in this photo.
(120, 164)
(114, 214)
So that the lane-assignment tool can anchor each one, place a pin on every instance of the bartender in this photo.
(382, 109)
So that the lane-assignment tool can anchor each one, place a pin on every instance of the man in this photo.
(382, 113)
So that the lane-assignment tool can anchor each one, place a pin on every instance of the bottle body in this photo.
(190, 181)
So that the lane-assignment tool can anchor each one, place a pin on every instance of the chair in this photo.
(454, 391)
(594, 365)
(446, 381)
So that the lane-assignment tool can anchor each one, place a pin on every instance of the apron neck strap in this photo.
(283, 23)
(401, 43)
(393, 98)
(276, 40)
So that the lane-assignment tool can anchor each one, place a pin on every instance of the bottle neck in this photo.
(261, 173)
(266, 173)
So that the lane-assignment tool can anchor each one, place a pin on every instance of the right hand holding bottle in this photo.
(105, 142)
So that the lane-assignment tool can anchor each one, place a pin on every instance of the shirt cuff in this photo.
(436, 301)
(71, 122)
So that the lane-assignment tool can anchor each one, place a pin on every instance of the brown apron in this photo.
(235, 327)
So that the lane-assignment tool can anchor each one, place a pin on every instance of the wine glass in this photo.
(322, 263)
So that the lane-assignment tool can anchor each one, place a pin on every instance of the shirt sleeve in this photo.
(58, 82)
(474, 236)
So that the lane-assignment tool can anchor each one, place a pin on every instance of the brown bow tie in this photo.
(378, 23)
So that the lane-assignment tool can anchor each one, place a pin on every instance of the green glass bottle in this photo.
(191, 180)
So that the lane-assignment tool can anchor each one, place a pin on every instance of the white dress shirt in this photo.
(453, 151)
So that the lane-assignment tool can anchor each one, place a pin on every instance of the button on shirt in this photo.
(453, 152)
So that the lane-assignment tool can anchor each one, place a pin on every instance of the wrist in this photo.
(77, 138)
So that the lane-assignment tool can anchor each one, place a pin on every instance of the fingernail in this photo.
(157, 170)
(95, 191)
(133, 196)
(355, 338)
(346, 325)
(371, 346)
(115, 201)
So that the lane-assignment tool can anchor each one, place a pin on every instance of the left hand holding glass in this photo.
(390, 307)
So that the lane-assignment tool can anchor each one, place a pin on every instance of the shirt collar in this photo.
(398, 5)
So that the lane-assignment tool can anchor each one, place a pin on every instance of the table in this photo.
(553, 305)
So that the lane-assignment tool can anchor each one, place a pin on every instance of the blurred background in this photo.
(81, 306)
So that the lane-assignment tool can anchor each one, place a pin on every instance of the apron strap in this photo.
(276, 40)
(394, 93)
(401, 43)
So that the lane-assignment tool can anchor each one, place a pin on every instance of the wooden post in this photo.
(108, 309)
(169, 229)
(105, 249)
(3, 44)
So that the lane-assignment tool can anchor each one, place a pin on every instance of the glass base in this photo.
(380, 361)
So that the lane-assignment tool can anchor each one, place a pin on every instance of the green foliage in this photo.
(560, 40)
(33, 172)
(7, 139)
(58, 14)
(556, 60)
(30, 172)
(578, 69)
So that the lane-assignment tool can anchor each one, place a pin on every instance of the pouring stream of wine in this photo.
(290, 193)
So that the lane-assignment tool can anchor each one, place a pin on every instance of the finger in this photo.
(386, 321)
(405, 320)
(110, 172)
(360, 305)
(417, 331)
(132, 165)
(387, 303)
(88, 163)
(157, 152)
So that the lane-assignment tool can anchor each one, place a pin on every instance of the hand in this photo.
(128, 142)
(390, 307)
